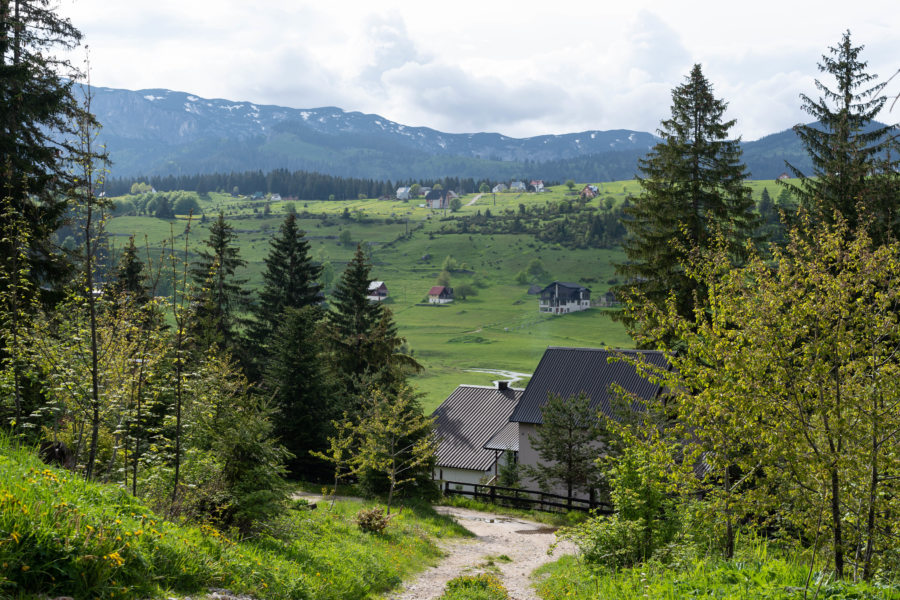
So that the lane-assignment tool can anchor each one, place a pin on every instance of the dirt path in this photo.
(473, 200)
(525, 544)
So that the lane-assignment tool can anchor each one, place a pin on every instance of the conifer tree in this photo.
(852, 172)
(38, 123)
(289, 281)
(222, 300)
(303, 389)
(129, 277)
(692, 186)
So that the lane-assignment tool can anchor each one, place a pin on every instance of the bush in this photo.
(484, 586)
(373, 520)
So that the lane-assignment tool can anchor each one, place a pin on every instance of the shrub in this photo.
(484, 586)
(373, 520)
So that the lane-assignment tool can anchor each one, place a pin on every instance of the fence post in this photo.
(493, 494)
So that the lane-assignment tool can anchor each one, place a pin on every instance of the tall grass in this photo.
(759, 571)
(62, 536)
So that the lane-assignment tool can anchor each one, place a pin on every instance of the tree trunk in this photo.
(836, 526)
(729, 527)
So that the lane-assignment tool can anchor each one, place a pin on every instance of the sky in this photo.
(520, 68)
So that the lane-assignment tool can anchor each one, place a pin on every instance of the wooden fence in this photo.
(522, 498)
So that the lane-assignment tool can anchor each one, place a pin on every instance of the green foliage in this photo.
(455, 204)
(443, 278)
(645, 518)
(757, 571)
(483, 586)
(568, 443)
(692, 189)
(781, 390)
(853, 170)
(464, 290)
(346, 238)
(63, 536)
(570, 184)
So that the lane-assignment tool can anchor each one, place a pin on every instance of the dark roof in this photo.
(436, 290)
(435, 195)
(565, 284)
(535, 289)
(505, 439)
(467, 419)
(570, 371)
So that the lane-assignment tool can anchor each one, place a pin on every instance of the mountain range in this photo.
(164, 132)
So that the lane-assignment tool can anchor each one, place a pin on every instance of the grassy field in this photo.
(61, 536)
(500, 328)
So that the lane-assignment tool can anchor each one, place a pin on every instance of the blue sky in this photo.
(520, 68)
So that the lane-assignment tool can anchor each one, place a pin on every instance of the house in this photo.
(783, 176)
(608, 299)
(377, 291)
(275, 198)
(473, 429)
(589, 192)
(537, 185)
(500, 187)
(403, 193)
(440, 294)
(567, 372)
(437, 199)
(517, 186)
(560, 298)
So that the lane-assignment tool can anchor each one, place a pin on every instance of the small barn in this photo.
(499, 188)
(377, 291)
(517, 186)
(403, 193)
(440, 294)
(473, 431)
(437, 199)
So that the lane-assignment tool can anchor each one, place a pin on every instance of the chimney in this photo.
(502, 385)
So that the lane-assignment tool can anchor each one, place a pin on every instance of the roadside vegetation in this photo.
(64, 536)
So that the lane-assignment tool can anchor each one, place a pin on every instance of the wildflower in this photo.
(25, 567)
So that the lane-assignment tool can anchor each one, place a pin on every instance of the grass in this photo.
(500, 328)
(758, 572)
(62, 536)
(483, 586)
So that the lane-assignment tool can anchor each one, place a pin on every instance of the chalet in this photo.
(783, 176)
(517, 186)
(437, 199)
(567, 372)
(560, 298)
(440, 294)
(473, 429)
(275, 198)
(403, 193)
(377, 291)
(499, 188)
(537, 185)
(589, 192)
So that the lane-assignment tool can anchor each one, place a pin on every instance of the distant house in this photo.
(567, 372)
(257, 196)
(500, 187)
(517, 186)
(424, 190)
(440, 294)
(608, 299)
(589, 192)
(377, 291)
(537, 184)
(783, 176)
(560, 297)
(473, 431)
(275, 198)
(437, 199)
(403, 193)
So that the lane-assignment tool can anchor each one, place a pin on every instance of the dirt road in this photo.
(523, 543)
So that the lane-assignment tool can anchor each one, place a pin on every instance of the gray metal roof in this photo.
(505, 439)
(570, 371)
(467, 419)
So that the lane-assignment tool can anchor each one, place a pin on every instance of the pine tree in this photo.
(222, 300)
(303, 390)
(692, 190)
(129, 278)
(38, 116)
(289, 281)
(852, 173)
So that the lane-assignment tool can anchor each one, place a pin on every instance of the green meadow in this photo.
(499, 328)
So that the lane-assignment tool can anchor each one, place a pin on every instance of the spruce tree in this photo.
(289, 281)
(222, 300)
(693, 190)
(853, 173)
(303, 390)
(129, 277)
(38, 125)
